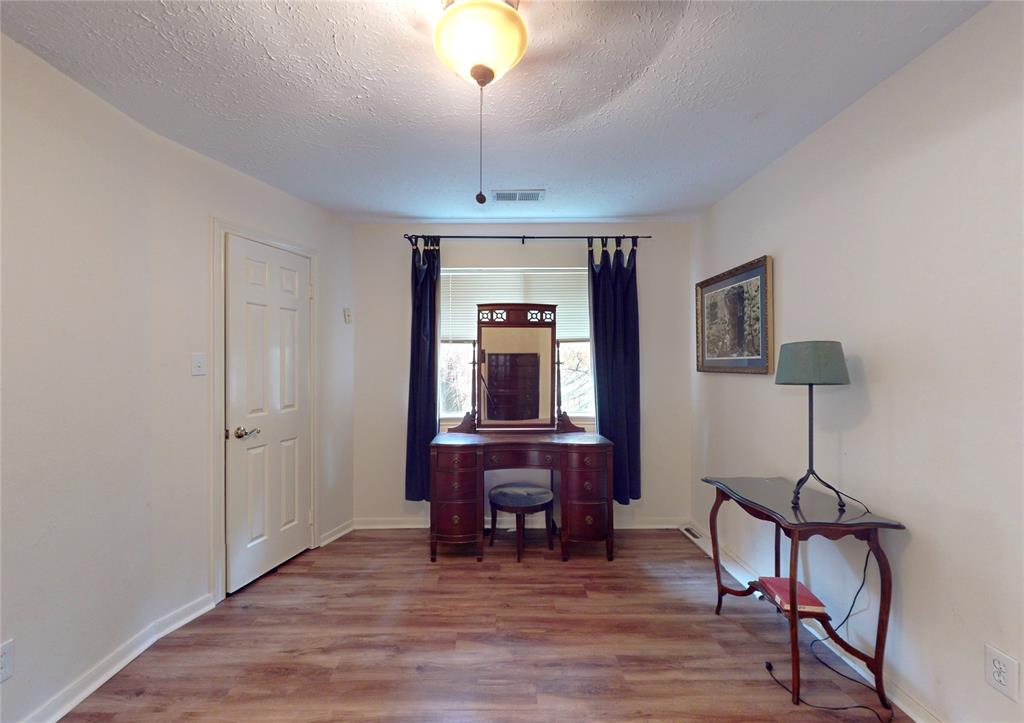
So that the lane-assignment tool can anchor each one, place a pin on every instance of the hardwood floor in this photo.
(368, 628)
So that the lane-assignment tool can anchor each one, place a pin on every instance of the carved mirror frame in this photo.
(506, 316)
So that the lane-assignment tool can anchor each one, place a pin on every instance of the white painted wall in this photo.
(106, 448)
(382, 356)
(897, 229)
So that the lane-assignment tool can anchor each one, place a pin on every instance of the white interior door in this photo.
(268, 491)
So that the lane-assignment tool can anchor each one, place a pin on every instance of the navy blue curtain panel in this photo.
(421, 424)
(615, 324)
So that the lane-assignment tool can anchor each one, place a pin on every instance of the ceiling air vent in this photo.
(528, 194)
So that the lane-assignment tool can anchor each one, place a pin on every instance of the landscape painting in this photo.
(734, 323)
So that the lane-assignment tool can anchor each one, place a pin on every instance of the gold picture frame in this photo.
(735, 331)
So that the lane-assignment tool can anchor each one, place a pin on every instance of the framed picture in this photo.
(734, 320)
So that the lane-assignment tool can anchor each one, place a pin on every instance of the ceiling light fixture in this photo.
(480, 40)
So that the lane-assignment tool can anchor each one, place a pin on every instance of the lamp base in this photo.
(805, 479)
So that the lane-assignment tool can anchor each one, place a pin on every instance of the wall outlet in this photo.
(6, 660)
(1002, 672)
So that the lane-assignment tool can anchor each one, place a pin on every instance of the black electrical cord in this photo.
(851, 497)
(846, 618)
(769, 668)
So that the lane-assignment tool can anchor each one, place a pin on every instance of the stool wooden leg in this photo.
(494, 522)
(547, 527)
(520, 523)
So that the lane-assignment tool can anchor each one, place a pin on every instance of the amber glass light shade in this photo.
(486, 34)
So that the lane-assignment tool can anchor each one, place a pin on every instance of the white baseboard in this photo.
(742, 571)
(649, 523)
(392, 523)
(83, 686)
(340, 531)
(535, 521)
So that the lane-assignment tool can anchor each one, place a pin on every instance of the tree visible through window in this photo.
(576, 378)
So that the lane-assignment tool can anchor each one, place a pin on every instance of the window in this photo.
(462, 289)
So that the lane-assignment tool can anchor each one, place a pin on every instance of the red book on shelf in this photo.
(778, 589)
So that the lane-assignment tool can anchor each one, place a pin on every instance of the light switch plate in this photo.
(1002, 672)
(199, 364)
(348, 315)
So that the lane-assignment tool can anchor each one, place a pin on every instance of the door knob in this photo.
(241, 433)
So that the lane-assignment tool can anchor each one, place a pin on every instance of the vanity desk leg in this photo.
(481, 506)
(609, 542)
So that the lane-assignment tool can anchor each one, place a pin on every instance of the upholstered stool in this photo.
(521, 499)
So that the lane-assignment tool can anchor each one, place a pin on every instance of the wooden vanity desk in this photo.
(516, 422)
(458, 461)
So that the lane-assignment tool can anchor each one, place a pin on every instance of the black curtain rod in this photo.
(413, 238)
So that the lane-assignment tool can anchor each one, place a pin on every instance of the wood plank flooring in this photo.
(368, 629)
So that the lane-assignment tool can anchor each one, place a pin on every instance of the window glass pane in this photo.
(462, 289)
(455, 374)
(577, 383)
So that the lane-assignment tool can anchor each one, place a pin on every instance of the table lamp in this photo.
(811, 363)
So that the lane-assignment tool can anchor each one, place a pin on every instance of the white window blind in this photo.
(462, 289)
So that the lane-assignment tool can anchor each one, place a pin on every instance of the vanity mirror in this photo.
(515, 370)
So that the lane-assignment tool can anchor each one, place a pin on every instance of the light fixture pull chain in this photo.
(480, 197)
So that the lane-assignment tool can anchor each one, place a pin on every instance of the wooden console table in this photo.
(770, 499)
(458, 462)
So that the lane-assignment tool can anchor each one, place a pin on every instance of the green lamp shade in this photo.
(812, 362)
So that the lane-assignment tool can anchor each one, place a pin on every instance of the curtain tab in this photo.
(618, 242)
(636, 242)
(604, 242)
(590, 243)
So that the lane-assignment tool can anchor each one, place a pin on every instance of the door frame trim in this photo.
(219, 230)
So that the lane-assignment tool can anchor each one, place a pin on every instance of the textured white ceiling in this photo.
(618, 109)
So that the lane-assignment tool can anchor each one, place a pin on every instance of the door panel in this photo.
(268, 495)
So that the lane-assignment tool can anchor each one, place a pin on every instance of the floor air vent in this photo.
(528, 194)
(692, 533)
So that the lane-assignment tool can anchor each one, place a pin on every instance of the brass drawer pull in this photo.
(455, 484)
(587, 461)
(547, 459)
(456, 462)
(589, 520)
(588, 486)
(455, 519)
(495, 459)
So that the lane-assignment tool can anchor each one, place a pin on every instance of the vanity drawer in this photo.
(585, 485)
(459, 485)
(456, 460)
(586, 520)
(456, 519)
(587, 459)
(514, 458)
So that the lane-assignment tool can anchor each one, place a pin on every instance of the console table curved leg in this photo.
(884, 601)
(721, 497)
(713, 527)
(794, 614)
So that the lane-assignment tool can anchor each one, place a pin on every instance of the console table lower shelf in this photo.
(770, 500)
